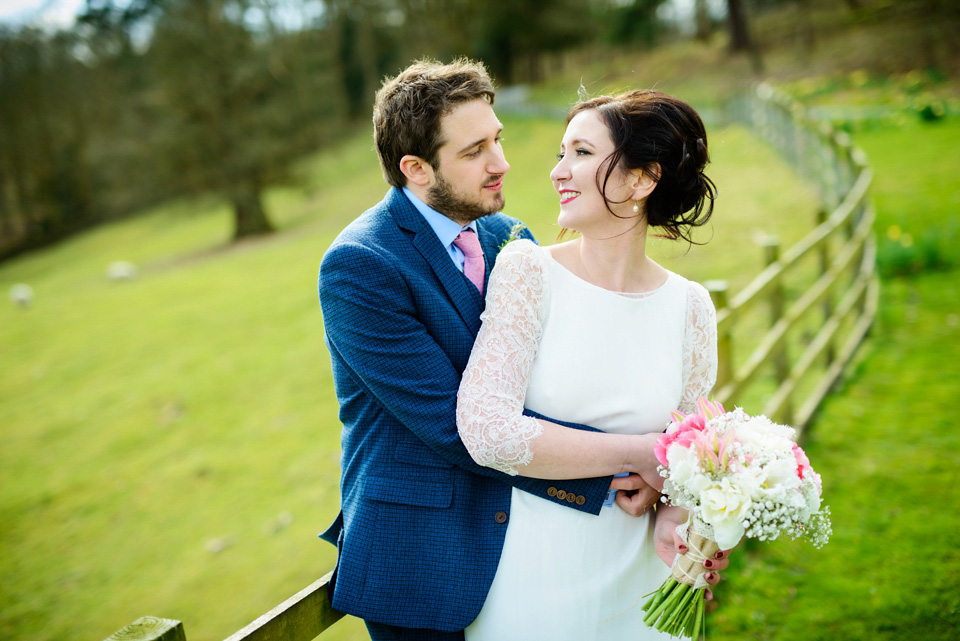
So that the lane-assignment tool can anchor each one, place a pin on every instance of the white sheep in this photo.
(121, 270)
(21, 294)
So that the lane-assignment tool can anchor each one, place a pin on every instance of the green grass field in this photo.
(171, 443)
(885, 442)
(149, 422)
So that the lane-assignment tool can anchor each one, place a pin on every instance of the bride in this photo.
(595, 332)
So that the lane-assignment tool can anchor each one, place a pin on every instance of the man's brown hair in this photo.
(408, 109)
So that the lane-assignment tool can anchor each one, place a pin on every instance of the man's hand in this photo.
(635, 496)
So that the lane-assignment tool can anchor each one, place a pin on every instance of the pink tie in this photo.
(473, 266)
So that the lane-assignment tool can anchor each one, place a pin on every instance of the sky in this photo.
(52, 13)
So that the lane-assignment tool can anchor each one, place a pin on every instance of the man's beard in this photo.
(445, 200)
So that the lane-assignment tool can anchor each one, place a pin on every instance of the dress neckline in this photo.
(589, 285)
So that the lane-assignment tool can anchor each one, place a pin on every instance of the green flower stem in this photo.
(669, 598)
(688, 621)
(700, 621)
(694, 616)
(657, 599)
(676, 609)
(671, 621)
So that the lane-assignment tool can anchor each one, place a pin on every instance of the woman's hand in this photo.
(634, 496)
(640, 490)
(669, 544)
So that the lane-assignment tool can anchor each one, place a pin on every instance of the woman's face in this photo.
(585, 146)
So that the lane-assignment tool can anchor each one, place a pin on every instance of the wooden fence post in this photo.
(829, 189)
(150, 629)
(777, 302)
(826, 306)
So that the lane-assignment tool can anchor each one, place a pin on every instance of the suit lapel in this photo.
(465, 297)
(490, 249)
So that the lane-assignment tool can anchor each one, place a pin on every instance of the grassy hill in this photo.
(171, 443)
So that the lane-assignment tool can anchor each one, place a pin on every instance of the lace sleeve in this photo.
(493, 389)
(699, 348)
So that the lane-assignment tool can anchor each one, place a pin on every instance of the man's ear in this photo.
(417, 170)
(644, 181)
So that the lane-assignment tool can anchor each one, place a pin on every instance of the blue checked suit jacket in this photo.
(421, 525)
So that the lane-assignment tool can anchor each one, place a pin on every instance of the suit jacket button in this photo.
(571, 497)
(581, 499)
(500, 517)
(552, 491)
(561, 494)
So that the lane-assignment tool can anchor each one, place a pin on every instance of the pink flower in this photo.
(712, 448)
(663, 443)
(692, 422)
(803, 463)
(684, 435)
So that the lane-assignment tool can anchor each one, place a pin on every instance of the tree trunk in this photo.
(805, 32)
(8, 231)
(740, 40)
(249, 215)
(367, 52)
(702, 21)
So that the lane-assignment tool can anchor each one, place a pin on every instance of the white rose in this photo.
(750, 478)
(683, 464)
(763, 435)
(724, 506)
(782, 472)
(697, 483)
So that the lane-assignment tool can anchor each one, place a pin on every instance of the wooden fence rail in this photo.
(831, 310)
(833, 303)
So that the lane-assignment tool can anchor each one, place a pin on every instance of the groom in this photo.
(421, 525)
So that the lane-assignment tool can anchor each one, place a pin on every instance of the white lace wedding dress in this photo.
(576, 352)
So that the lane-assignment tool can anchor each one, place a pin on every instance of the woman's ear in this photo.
(643, 182)
(417, 170)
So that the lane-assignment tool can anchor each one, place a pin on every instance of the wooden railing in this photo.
(837, 299)
(302, 617)
(821, 293)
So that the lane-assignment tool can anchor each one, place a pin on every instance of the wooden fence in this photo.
(820, 294)
(817, 320)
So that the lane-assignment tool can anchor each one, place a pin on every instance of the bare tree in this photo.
(239, 110)
(703, 24)
(740, 38)
(45, 173)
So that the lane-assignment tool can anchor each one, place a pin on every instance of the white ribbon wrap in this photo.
(688, 568)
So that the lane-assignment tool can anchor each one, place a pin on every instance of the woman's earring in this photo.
(636, 207)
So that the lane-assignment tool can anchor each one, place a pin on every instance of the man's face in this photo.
(468, 181)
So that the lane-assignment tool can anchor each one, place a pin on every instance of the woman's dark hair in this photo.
(664, 138)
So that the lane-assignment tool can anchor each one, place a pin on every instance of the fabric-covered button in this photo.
(500, 517)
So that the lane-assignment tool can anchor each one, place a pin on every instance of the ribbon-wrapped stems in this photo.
(677, 607)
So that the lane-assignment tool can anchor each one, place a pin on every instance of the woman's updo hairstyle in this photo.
(651, 129)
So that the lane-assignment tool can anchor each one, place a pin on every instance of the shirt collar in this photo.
(446, 229)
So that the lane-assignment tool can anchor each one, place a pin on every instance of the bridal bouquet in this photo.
(737, 475)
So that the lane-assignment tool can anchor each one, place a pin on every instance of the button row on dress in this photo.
(569, 497)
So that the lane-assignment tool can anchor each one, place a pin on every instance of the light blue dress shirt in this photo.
(446, 229)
